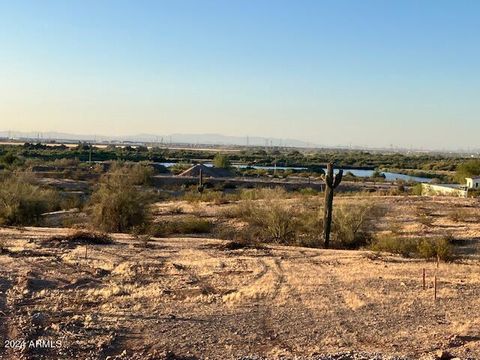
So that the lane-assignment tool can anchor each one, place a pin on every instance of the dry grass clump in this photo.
(426, 248)
(79, 238)
(22, 203)
(424, 216)
(213, 196)
(187, 225)
(277, 193)
(462, 215)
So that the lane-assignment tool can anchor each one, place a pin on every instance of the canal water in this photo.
(389, 176)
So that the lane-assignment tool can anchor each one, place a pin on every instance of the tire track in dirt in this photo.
(265, 309)
(4, 326)
(8, 329)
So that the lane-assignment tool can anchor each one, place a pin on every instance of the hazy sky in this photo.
(331, 72)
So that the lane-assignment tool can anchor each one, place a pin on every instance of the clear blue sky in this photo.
(359, 72)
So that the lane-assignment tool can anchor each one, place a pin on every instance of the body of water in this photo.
(389, 176)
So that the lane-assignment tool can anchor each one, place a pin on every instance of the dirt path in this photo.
(194, 298)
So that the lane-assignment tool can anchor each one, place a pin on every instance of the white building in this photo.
(473, 183)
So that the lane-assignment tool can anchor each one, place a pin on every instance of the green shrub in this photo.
(117, 205)
(466, 169)
(221, 161)
(417, 189)
(22, 203)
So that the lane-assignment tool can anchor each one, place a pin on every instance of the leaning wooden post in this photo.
(331, 182)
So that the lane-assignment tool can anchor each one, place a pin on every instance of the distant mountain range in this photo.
(207, 139)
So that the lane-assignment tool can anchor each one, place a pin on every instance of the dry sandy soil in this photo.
(195, 297)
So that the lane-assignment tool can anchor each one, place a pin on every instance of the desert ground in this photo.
(198, 297)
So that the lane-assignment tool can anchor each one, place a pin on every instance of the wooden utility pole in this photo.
(331, 182)
(200, 181)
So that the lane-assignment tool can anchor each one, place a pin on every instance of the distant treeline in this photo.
(11, 154)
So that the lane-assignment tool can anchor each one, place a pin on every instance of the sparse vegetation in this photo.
(183, 226)
(22, 203)
(462, 215)
(427, 248)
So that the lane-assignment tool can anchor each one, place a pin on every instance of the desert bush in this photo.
(117, 205)
(241, 210)
(430, 248)
(351, 225)
(267, 220)
(417, 189)
(395, 245)
(221, 161)
(275, 221)
(467, 169)
(426, 248)
(188, 225)
(22, 203)
(137, 173)
(141, 174)
(244, 235)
